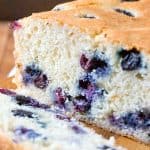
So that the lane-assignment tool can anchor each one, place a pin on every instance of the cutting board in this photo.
(7, 62)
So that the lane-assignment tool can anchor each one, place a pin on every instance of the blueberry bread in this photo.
(92, 62)
(27, 124)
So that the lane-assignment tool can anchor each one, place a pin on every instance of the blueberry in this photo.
(135, 120)
(68, 97)
(131, 120)
(85, 82)
(88, 86)
(7, 92)
(93, 92)
(77, 129)
(27, 101)
(81, 104)
(125, 12)
(90, 92)
(23, 100)
(60, 97)
(41, 81)
(83, 61)
(131, 60)
(23, 113)
(96, 63)
(24, 133)
(32, 74)
(63, 117)
(105, 147)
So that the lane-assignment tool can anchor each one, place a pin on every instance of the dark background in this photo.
(14, 9)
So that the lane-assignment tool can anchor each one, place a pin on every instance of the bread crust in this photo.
(93, 125)
(117, 27)
(87, 3)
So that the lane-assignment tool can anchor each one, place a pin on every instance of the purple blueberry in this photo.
(33, 75)
(28, 101)
(23, 100)
(135, 120)
(77, 129)
(15, 25)
(84, 61)
(125, 12)
(96, 63)
(7, 92)
(95, 92)
(131, 59)
(41, 81)
(23, 113)
(90, 92)
(25, 133)
(81, 104)
(85, 81)
(88, 86)
(60, 97)
(63, 117)
(84, 84)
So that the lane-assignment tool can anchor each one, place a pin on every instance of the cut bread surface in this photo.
(92, 62)
(27, 124)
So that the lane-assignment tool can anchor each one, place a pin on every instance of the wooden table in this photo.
(7, 62)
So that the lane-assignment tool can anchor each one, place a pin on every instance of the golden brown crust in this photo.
(105, 19)
(118, 27)
(131, 38)
(141, 6)
(88, 3)
(97, 128)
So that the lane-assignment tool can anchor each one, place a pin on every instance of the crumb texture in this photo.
(90, 58)
(30, 126)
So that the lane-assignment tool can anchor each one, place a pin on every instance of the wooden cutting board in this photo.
(7, 62)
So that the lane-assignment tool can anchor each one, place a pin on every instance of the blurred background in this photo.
(14, 9)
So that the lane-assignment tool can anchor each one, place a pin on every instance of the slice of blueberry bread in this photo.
(27, 124)
(91, 62)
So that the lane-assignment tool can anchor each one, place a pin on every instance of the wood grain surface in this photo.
(7, 62)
